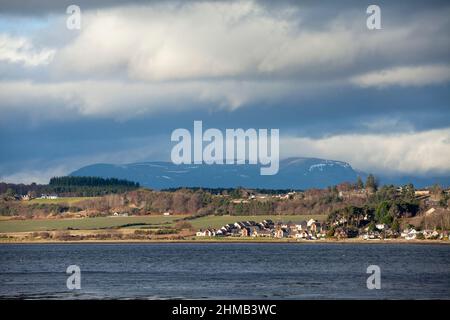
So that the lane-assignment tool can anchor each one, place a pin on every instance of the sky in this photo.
(114, 90)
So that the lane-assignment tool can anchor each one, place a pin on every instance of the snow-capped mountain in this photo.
(294, 173)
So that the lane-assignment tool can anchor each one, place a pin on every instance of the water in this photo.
(225, 271)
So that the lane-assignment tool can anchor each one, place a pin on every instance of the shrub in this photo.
(166, 231)
(420, 236)
(183, 225)
(143, 232)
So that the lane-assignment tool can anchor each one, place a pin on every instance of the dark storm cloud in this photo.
(328, 8)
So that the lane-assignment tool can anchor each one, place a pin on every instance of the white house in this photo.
(49, 196)
(409, 234)
(302, 235)
(430, 234)
(200, 233)
(206, 233)
(310, 222)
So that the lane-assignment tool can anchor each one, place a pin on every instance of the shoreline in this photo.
(231, 241)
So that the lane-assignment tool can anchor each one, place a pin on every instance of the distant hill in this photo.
(294, 173)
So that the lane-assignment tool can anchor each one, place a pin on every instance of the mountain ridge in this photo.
(294, 173)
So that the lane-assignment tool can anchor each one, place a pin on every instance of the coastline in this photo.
(231, 241)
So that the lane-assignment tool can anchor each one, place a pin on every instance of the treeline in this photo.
(69, 186)
(21, 189)
(234, 192)
(91, 182)
(385, 206)
(200, 202)
(90, 186)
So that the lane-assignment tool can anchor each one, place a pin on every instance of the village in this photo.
(380, 223)
(314, 230)
(310, 229)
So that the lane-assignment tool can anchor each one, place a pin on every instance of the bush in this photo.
(63, 235)
(166, 231)
(143, 232)
(330, 232)
(420, 236)
(183, 225)
(42, 235)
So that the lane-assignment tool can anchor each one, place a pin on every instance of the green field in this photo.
(80, 223)
(68, 200)
(146, 221)
(218, 221)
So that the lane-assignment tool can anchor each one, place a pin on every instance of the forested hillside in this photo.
(70, 187)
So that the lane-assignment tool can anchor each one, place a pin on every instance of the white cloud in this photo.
(404, 76)
(40, 176)
(21, 50)
(410, 153)
(164, 42)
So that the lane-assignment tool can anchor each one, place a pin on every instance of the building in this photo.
(49, 196)
(422, 192)
(26, 197)
(262, 233)
(117, 214)
(206, 233)
(280, 233)
(310, 222)
(315, 227)
(303, 225)
(409, 234)
(267, 228)
(430, 234)
(380, 226)
(200, 233)
(303, 234)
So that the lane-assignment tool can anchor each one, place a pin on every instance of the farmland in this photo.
(62, 200)
(81, 223)
(136, 222)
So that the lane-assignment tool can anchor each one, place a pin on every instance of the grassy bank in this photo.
(66, 200)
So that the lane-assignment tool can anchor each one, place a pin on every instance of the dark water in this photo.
(225, 271)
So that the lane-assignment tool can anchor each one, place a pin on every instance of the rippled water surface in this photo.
(225, 271)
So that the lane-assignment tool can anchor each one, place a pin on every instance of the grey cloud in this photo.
(329, 8)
